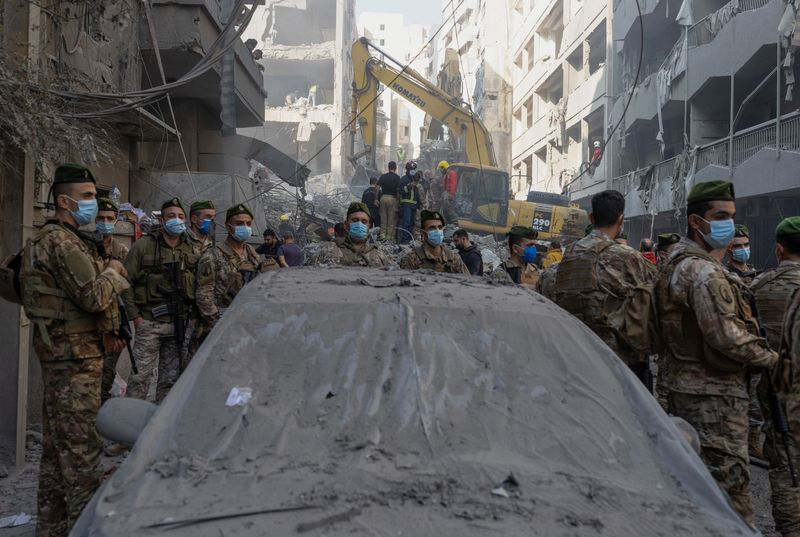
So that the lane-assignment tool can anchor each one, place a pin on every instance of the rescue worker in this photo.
(554, 254)
(449, 182)
(355, 250)
(773, 291)
(432, 254)
(597, 274)
(597, 156)
(709, 333)
(223, 270)
(370, 197)
(107, 212)
(70, 296)
(389, 184)
(468, 252)
(409, 202)
(739, 255)
(519, 268)
(201, 217)
(150, 268)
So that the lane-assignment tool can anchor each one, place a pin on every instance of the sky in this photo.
(425, 12)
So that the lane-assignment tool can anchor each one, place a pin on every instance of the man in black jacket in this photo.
(370, 199)
(469, 252)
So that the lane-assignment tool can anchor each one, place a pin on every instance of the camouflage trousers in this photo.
(662, 392)
(70, 469)
(756, 419)
(785, 498)
(721, 423)
(110, 360)
(157, 354)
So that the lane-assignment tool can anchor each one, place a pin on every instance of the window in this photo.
(383, 27)
(383, 42)
(406, 132)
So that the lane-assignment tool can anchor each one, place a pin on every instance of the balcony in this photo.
(185, 30)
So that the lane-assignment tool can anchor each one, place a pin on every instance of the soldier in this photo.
(789, 369)
(739, 255)
(519, 268)
(597, 274)
(707, 327)
(355, 250)
(431, 254)
(772, 292)
(70, 296)
(112, 249)
(665, 244)
(223, 270)
(201, 216)
(160, 309)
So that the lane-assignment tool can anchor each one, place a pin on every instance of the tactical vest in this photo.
(408, 195)
(355, 259)
(448, 265)
(154, 280)
(772, 291)
(578, 291)
(50, 309)
(244, 272)
(678, 320)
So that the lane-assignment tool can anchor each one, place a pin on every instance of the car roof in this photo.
(392, 402)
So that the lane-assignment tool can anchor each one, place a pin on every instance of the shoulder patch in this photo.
(722, 295)
(78, 264)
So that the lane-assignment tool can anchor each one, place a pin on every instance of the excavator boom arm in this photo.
(370, 71)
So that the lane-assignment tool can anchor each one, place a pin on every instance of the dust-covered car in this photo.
(368, 402)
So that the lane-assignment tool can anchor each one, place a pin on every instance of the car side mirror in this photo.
(122, 419)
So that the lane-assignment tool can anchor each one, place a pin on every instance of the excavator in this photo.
(482, 201)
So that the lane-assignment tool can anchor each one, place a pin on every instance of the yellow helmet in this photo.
(284, 217)
(443, 165)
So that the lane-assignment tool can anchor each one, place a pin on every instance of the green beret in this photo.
(105, 204)
(172, 202)
(200, 205)
(667, 239)
(711, 191)
(238, 209)
(741, 231)
(357, 207)
(588, 229)
(426, 215)
(523, 231)
(788, 226)
(73, 173)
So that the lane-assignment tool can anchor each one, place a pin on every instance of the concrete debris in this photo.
(319, 51)
(3, 471)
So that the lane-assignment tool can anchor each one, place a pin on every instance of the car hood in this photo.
(399, 403)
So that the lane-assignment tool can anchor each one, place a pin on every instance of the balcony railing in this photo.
(707, 28)
(746, 144)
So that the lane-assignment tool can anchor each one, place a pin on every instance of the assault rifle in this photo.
(124, 332)
(175, 301)
(779, 421)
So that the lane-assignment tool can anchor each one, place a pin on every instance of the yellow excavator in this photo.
(482, 201)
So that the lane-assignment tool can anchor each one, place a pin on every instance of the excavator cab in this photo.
(481, 201)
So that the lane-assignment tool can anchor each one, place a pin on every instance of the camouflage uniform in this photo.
(772, 291)
(421, 257)
(711, 341)
(528, 273)
(350, 254)
(71, 301)
(546, 286)
(114, 250)
(221, 274)
(593, 278)
(200, 243)
(154, 345)
(788, 372)
(747, 275)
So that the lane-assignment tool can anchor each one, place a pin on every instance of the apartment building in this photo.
(561, 77)
(478, 33)
(305, 53)
(715, 99)
(408, 44)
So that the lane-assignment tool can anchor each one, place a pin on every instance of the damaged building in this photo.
(304, 50)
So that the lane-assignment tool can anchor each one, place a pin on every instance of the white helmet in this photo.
(597, 144)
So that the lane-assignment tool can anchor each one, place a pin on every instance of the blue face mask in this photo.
(242, 233)
(175, 226)
(721, 233)
(205, 226)
(105, 228)
(412, 173)
(741, 255)
(358, 231)
(435, 237)
(87, 211)
(529, 254)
